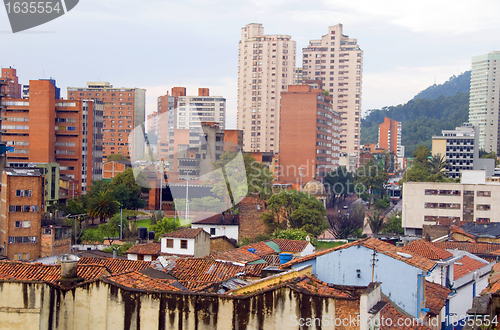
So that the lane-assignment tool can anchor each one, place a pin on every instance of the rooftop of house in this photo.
(97, 254)
(288, 245)
(427, 250)
(435, 297)
(183, 232)
(116, 265)
(465, 266)
(377, 245)
(23, 271)
(493, 281)
(195, 272)
(153, 248)
(483, 230)
(216, 219)
(22, 172)
(246, 253)
(398, 316)
(471, 247)
(136, 280)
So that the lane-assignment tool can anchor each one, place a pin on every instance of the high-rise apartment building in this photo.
(12, 88)
(310, 134)
(266, 66)
(45, 130)
(484, 99)
(337, 61)
(193, 110)
(389, 137)
(124, 109)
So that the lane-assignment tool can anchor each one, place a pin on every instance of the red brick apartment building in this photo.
(44, 130)
(309, 134)
(124, 109)
(21, 213)
(13, 88)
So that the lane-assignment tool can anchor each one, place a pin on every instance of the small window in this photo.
(212, 231)
(19, 224)
(184, 244)
(27, 193)
(19, 193)
(170, 243)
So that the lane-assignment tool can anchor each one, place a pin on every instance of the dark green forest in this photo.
(421, 117)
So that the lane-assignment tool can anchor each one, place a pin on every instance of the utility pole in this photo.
(121, 221)
(373, 264)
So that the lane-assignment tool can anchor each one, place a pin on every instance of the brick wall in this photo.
(220, 244)
(435, 231)
(51, 247)
(346, 309)
(251, 225)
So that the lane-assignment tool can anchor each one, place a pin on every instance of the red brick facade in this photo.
(250, 212)
(55, 241)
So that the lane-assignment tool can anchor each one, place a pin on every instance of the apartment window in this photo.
(482, 219)
(19, 193)
(23, 224)
(484, 194)
(170, 243)
(483, 207)
(184, 244)
(212, 231)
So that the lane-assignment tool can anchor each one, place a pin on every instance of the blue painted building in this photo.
(402, 274)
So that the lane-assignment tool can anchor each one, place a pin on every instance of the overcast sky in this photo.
(156, 45)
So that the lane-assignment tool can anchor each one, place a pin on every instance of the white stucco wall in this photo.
(177, 246)
(229, 231)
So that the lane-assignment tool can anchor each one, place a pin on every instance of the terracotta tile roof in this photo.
(493, 280)
(427, 250)
(377, 245)
(153, 248)
(116, 265)
(310, 285)
(184, 233)
(471, 247)
(242, 254)
(136, 280)
(435, 297)
(289, 245)
(23, 271)
(465, 266)
(193, 273)
(395, 313)
(216, 219)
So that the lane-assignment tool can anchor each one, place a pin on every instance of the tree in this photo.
(393, 224)
(120, 249)
(375, 221)
(421, 155)
(257, 176)
(343, 226)
(294, 234)
(297, 210)
(166, 225)
(437, 164)
(371, 178)
(339, 182)
(155, 217)
(206, 204)
(126, 190)
(116, 158)
(103, 206)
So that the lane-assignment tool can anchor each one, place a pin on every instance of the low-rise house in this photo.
(147, 252)
(476, 232)
(486, 251)
(368, 260)
(115, 265)
(186, 242)
(298, 248)
(218, 224)
(55, 240)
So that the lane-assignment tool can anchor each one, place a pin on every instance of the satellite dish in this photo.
(308, 238)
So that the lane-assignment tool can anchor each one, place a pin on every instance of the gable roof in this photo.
(435, 297)
(153, 248)
(184, 233)
(216, 219)
(289, 245)
(493, 281)
(377, 245)
(427, 250)
(465, 266)
(243, 255)
(194, 273)
(116, 265)
(23, 271)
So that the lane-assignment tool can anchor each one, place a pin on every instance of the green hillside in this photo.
(453, 86)
(423, 116)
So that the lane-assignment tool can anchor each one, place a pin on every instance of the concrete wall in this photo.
(100, 305)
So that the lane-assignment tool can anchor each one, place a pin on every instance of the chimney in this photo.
(69, 277)
(203, 92)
